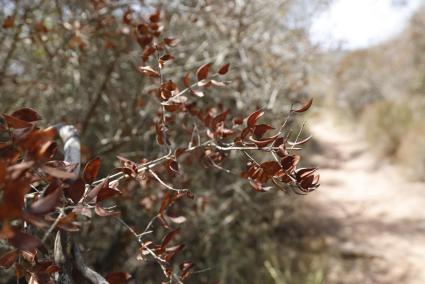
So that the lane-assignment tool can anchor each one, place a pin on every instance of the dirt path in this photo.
(380, 214)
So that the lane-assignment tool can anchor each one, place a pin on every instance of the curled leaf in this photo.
(253, 117)
(304, 107)
(27, 114)
(300, 142)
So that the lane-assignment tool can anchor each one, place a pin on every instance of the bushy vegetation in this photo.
(195, 99)
(386, 125)
(381, 90)
(412, 151)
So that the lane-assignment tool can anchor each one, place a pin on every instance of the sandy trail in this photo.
(381, 215)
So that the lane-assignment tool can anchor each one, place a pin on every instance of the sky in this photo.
(354, 24)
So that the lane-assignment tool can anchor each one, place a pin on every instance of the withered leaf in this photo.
(169, 237)
(261, 129)
(75, 191)
(218, 118)
(165, 202)
(224, 69)
(186, 80)
(170, 41)
(253, 117)
(14, 122)
(305, 107)
(24, 241)
(117, 277)
(58, 173)
(8, 22)
(45, 204)
(27, 114)
(95, 191)
(185, 268)
(154, 18)
(202, 72)
(289, 162)
(91, 170)
(8, 259)
(173, 165)
(270, 168)
(107, 193)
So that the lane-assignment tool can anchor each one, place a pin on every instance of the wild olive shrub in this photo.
(411, 154)
(51, 211)
(386, 124)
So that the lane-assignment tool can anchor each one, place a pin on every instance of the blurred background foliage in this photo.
(382, 89)
(75, 61)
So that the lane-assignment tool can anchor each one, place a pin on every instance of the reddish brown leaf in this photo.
(27, 114)
(185, 267)
(24, 241)
(45, 204)
(154, 18)
(14, 122)
(8, 22)
(95, 191)
(253, 117)
(202, 72)
(58, 173)
(149, 50)
(75, 191)
(289, 162)
(166, 57)
(127, 17)
(303, 172)
(186, 80)
(165, 202)
(173, 166)
(218, 118)
(170, 41)
(305, 107)
(168, 238)
(117, 277)
(91, 170)
(107, 193)
(261, 129)
(224, 69)
(270, 168)
(172, 251)
(8, 259)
